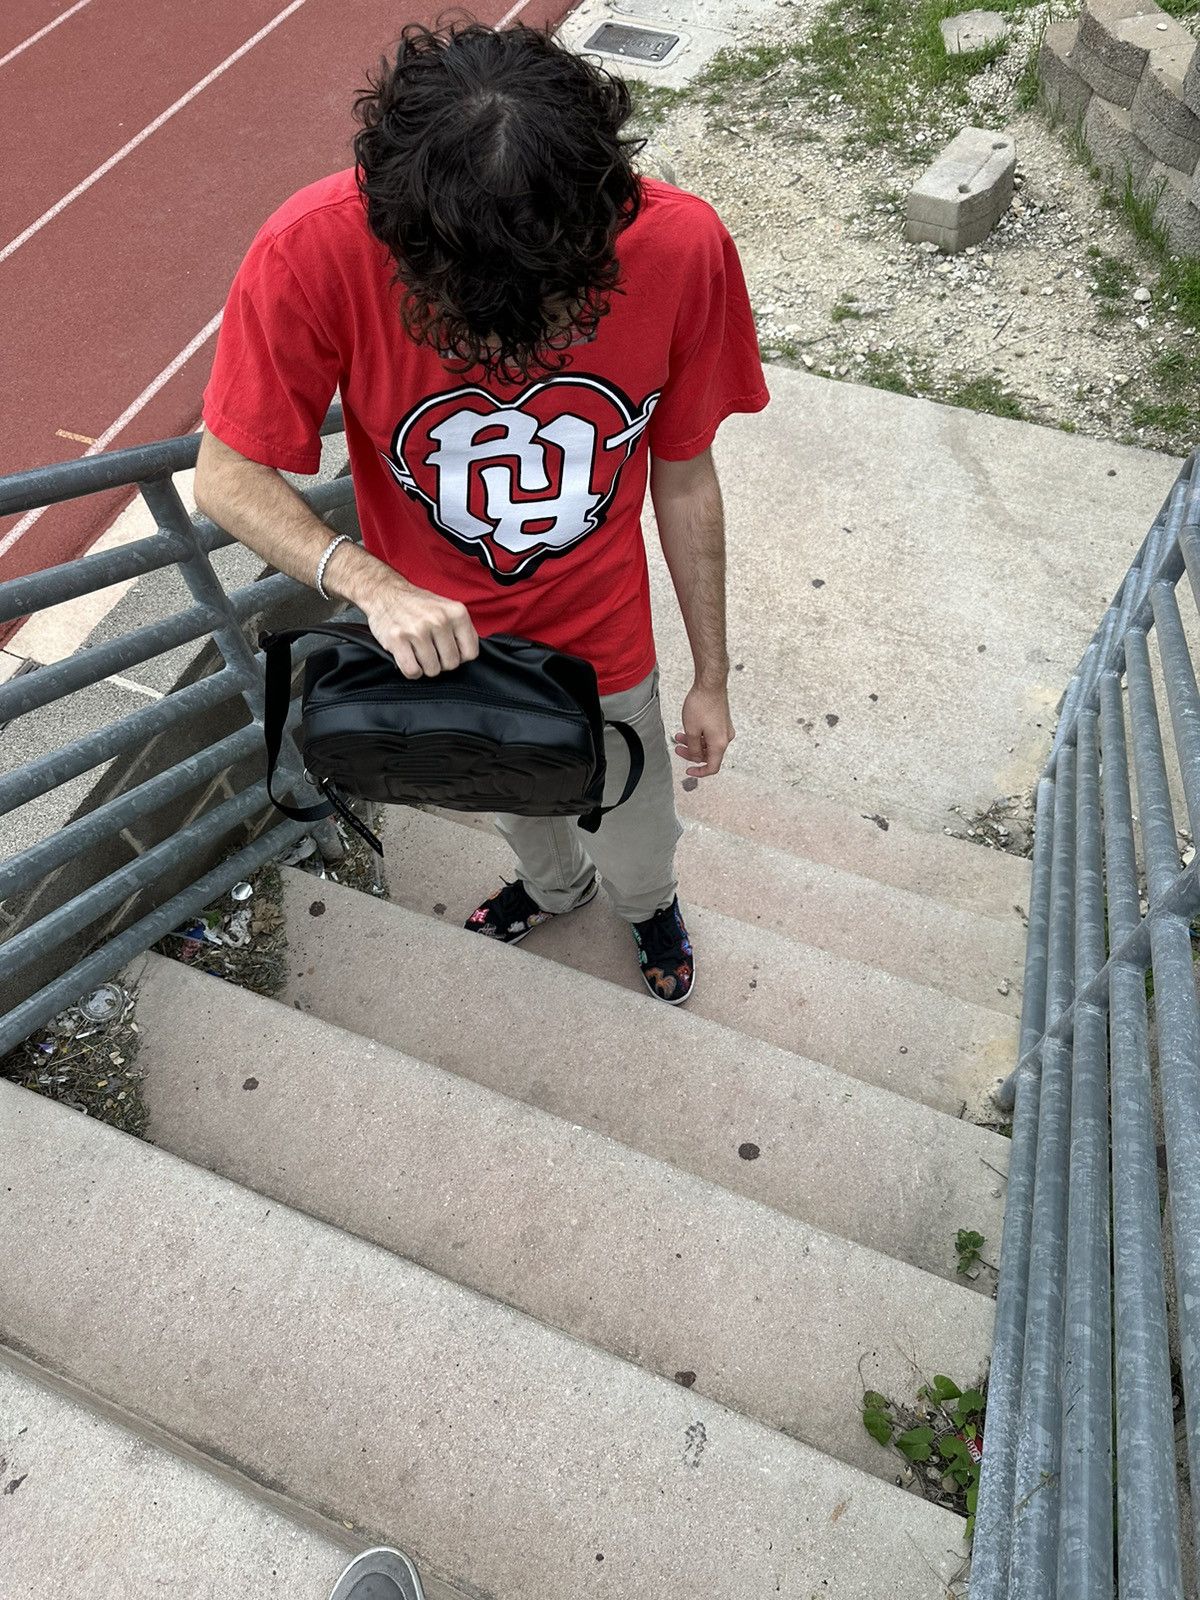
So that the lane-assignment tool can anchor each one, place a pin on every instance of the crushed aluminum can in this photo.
(104, 1004)
(300, 851)
(242, 892)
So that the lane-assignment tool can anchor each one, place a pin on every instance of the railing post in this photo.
(994, 1513)
(1147, 1506)
(1085, 1546)
(1034, 1560)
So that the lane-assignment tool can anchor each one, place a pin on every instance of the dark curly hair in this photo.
(494, 168)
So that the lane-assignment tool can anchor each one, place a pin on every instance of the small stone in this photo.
(973, 30)
(1004, 987)
(748, 1151)
(1141, 322)
(1142, 295)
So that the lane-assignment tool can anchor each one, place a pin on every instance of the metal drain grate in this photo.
(650, 45)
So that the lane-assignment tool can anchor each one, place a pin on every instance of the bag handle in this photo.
(637, 765)
(277, 697)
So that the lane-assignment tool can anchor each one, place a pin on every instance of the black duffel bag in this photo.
(517, 730)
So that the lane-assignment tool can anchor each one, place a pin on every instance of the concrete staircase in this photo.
(481, 1252)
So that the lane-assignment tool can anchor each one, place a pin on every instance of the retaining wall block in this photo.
(1065, 92)
(961, 197)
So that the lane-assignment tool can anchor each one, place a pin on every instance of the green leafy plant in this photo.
(941, 1439)
(968, 1243)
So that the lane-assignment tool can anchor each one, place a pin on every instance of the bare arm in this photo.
(691, 525)
(425, 632)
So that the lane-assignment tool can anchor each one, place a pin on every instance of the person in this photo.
(523, 331)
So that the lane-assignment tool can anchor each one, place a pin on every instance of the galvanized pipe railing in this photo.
(186, 543)
(1080, 1398)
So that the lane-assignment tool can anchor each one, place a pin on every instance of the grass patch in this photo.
(880, 59)
(984, 393)
(846, 311)
(889, 369)
(1141, 213)
(1179, 288)
(652, 104)
(1111, 277)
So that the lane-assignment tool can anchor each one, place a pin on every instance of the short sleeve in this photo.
(276, 368)
(715, 367)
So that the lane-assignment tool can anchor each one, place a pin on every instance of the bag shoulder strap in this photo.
(590, 823)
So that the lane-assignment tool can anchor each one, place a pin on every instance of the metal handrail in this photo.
(185, 543)
(1083, 1339)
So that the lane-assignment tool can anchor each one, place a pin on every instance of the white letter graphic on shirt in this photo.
(517, 482)
(460, 449)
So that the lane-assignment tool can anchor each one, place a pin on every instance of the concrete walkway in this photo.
(950, 564)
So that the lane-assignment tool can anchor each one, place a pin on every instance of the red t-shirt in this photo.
(521, 501)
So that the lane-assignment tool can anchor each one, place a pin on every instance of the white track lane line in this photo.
(42, 32)
(20, 529)
(126, 149)
(511, 16)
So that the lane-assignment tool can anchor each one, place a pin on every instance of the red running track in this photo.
(110, 296)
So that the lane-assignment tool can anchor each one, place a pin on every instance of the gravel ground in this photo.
(1056, 317)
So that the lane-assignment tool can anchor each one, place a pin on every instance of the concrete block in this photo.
(971, 31)
(1066, 93)
(962, 196)
(1160, 116)
(1114, 44)
(1114, 146)
(1177, 200)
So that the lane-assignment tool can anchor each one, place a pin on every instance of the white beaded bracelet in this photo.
(342, 538)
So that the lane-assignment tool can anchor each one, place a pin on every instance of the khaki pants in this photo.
(634, 849)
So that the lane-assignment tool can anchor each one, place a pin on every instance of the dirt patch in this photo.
(87, 1060)
(808, 143)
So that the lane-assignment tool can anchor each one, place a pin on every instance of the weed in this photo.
(1179, 286)
(846, 310)
(1141, 212)
(968, 1244)
(941, 1439)
(1029, 83)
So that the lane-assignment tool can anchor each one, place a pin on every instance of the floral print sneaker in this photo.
(665, 953)
(512, 913)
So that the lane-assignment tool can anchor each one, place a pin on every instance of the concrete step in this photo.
(845, 1157)
(973, 958)
(867, 1024)
(612, 1246)
(888, 849)
(93, 1510)
(505, 1456)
